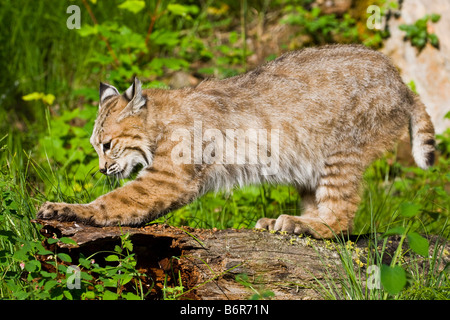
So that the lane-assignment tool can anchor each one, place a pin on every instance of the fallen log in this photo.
(219, 264)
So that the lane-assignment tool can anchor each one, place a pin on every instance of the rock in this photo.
(181, 79)
(333, 6)
(430, 68)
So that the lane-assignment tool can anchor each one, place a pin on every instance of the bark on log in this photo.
(209, 260)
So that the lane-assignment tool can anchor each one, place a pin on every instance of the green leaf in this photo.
(124, 277)
(21, 254)
(393, 279)
(108, 295)
(128, 245)
(67, 240)
(396, 230)
(64, 257)
(67, 294)
(44, 252)
(86, 276)
(21, 295)
(447, 115)
(50, 275)
(52, 240)
(99, 287)
(409, 209)
(434, 40)
(418, 244)
(84, 262)
(89, 295)
(435, 17)
(133, 6)
(62, 268)
(112, 257)
(50, 284)
(87, 30)
(131, 296)
(32, 265)
(412, 86)
(182, 10)
(110, 283)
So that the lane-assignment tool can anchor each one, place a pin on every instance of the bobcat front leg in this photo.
(154, 193)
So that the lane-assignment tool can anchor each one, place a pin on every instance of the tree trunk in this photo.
(218, 264)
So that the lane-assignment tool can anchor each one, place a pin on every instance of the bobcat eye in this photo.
(106, 146)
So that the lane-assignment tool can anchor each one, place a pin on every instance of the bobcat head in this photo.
(119, 134)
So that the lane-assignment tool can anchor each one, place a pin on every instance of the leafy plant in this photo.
(444, 140)
(393, 277)
(127, 52)
(361, 274)
(418, 32)
(321, 28)
(111, 280)
(173, 293)
(35, 279)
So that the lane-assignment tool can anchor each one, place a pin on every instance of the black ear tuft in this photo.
(129, 93)
(133, 90)
(106, 91)
(136, 99)
(134, 95)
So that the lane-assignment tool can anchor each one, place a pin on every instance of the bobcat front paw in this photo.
(57, 211)
(289, 224)
(265, 224)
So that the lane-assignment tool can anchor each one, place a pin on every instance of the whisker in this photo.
(97, 180)
(105, 184)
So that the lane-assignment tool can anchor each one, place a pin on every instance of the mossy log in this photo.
(212, 263)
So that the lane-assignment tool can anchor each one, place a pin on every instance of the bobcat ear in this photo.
(134, 94)
(137, 100)
(107, 91)
(129, 93)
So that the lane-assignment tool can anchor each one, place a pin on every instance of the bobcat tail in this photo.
(422, 135)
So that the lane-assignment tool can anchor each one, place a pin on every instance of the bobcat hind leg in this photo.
(328, 212)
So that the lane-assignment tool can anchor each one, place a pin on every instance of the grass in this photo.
(426, 278)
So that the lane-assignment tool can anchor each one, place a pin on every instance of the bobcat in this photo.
(330, 110)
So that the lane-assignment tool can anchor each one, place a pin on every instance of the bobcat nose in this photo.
(104, 169)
